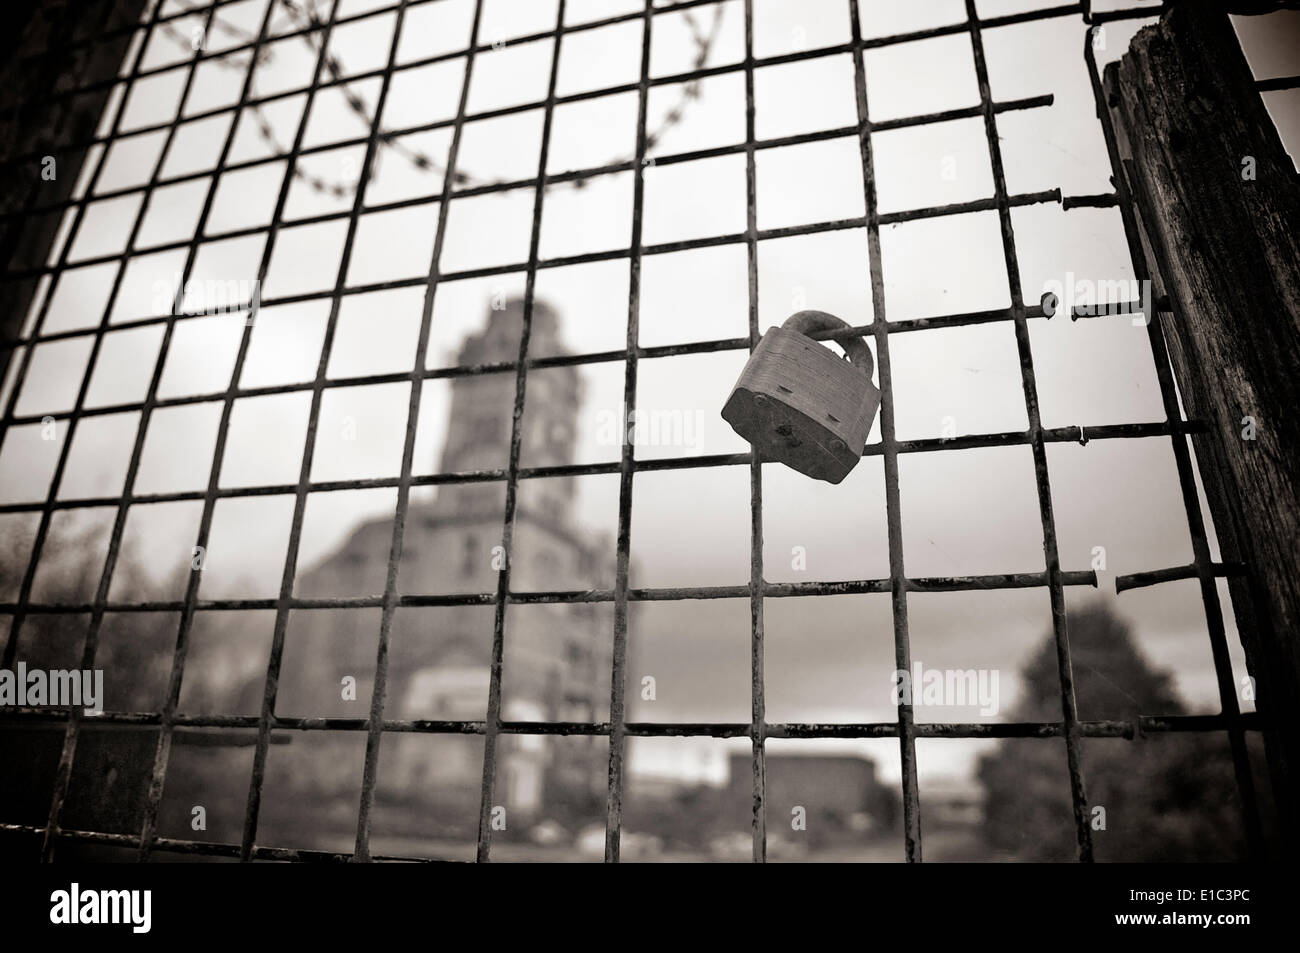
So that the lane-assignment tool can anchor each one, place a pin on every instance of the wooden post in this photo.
(1218, 203)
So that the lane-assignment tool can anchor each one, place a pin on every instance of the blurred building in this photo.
(557, 658)
(840, 793)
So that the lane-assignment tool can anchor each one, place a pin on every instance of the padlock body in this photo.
(800, 403)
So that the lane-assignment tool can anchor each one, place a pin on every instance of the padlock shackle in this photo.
(854, 347)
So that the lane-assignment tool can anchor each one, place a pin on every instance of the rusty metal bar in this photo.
(24, 593)
(771, 590)
(549, 178)
(253, 805)
(1081, 435)
(110, 563)
(112, 34)
(1069, 705)
(63, 772)
(802, 55)
(1028, 198)
(1152, 577)
(209, 848)
(903, 324)
(618, 664)
(163, 752)
(758, 700)
(1278, 83)
(512, 471)
(378, 694)
(39, 718)
(172, 725)
(1202, 566)
(306, 32)
(889, 444)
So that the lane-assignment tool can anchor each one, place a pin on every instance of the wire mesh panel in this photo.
(370, 577)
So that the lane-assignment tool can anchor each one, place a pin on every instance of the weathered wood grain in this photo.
(1218, 203)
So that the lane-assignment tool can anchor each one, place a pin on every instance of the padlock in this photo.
(801, 404)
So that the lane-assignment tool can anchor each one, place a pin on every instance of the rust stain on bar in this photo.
(502, 601)
(1069, 705)
(1202, 562)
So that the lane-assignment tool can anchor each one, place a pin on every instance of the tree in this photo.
(1170, 797)
(112, 765)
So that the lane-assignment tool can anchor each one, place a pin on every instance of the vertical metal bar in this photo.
(63, 773)
(492, 725)
(162, 753)
(618, 673)
(128, 82)
(20, 377)
(1069, 707)
(253, 806)
(119, 524)
(378, 696)
(758, 700)
(1186, 478)
(889, 441)
(13, 316)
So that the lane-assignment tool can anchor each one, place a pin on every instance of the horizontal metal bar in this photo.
(227, 736)
(1185, 466)
(1101, 200)
(225, 729)
(1080, 435)
(1278, 83)
(1129, 13)
(468, 370)
(893, 218)
(1162, 724)
(206, 848)
(667, 80)
(573, 175)
(773, 590)
(125, 31)
(23, 719)
(1111, 309)
(693, 347)
(496, 270)
(307, 31)
(1152, 577)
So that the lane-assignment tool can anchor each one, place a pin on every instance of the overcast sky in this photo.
(964, 512)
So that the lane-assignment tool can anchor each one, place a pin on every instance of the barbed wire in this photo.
(304, 16)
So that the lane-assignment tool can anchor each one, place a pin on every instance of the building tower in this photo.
(556, 662)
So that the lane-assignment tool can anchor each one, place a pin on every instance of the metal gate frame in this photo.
(169, 719)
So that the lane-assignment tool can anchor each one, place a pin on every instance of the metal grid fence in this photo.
(168, 719)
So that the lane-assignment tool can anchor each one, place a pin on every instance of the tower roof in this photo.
(499, 339)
